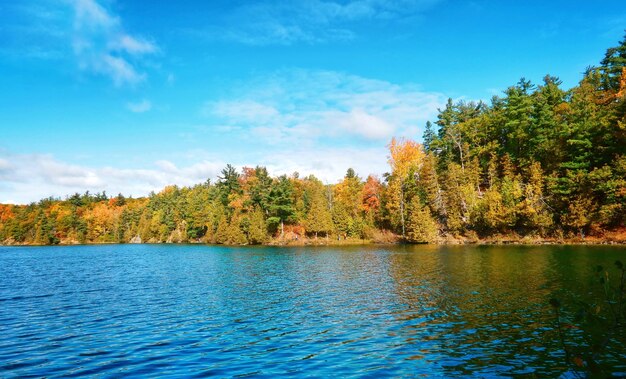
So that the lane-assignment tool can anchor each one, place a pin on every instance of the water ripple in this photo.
(200, 311)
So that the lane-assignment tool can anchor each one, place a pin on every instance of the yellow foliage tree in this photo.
(405, 159)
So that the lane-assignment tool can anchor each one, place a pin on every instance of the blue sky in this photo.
(129, 96)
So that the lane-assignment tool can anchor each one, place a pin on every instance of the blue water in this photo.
(200, 311)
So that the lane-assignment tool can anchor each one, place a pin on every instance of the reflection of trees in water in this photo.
(457, 310)
(470, 309)
(591, 329)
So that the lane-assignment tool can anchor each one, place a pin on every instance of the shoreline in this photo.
(615, 237)
(590, 241)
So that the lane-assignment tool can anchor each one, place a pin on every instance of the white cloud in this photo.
(166, 166)
(119, 70)
(298, 105)
(103, 46)
(359, 122)
(134, 46)
(327, 164)
(96, 37)
(90, 14)
(4, 165)
(42, 176)
(139, 107)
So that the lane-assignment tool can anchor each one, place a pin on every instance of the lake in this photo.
(374, 311)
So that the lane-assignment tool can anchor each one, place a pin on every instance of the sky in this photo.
(131, 96)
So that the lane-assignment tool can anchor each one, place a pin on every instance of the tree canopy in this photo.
(539, 160)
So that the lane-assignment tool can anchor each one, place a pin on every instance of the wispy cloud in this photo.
(310, 21)
(328, 164)
(81, 30)
(133, 46)
(313, 122)
(299, 105)
(90, 14)
(25, 178)
(139, 107)
(102, 46)
(30, 177)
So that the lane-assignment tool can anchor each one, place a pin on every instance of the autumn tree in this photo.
(319, 218)
(370, 199)
(254, 227)
(421, 227)
(405, 160)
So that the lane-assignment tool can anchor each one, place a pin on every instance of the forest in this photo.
(538, 162)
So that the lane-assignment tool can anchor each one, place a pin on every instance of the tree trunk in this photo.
(402, 208)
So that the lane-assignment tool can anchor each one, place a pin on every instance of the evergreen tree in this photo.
(280, 203)
(612, 66)
(256, 231)
(421, 227)
(221, 233)
(429, 137)
(319, 219)
(260, 188)
(518, 128)
(228, 184)
(234, 232)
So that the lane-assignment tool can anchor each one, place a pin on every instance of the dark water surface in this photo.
(197, 311)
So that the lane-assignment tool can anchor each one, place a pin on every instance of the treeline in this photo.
(249, 207)
(538, 161)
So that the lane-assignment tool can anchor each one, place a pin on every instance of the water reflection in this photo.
(354, 311)
(484, 307)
